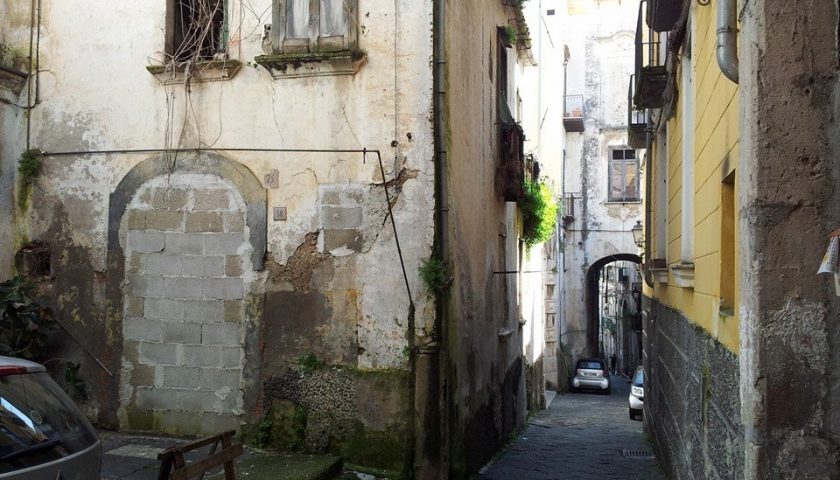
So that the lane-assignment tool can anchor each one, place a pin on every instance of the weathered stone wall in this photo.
(692, 402)
(317, 253)
(790, 202)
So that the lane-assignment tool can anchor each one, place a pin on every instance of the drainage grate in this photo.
(638, 454)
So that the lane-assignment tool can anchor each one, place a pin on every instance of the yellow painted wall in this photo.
(716, 141)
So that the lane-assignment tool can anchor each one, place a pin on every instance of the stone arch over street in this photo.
(593, 273)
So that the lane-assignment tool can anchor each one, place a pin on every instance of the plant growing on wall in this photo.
(29, 166)
(435, 275)
(539, 213)
(511, 33)
(25, 327)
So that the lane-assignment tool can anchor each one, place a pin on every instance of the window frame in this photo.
(315, 43)
(624, 161)
(175, 34)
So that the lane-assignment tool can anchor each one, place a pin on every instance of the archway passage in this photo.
(593, 296)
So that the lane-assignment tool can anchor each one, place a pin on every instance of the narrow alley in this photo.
(581, 436)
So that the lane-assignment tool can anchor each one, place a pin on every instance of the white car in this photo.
(637, 394)
(591, 374)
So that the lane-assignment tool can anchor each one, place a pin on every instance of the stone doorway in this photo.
(186, 245)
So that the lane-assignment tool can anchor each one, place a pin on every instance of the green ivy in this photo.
(539, 213)
(309, 363)
(511, 33)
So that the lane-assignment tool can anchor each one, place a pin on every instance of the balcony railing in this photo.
(651, 75)
(573, 113)
(638, 121)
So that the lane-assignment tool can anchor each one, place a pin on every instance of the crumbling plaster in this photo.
(97, 95)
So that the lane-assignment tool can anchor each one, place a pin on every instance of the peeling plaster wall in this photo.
(601, 45)
(97, 95)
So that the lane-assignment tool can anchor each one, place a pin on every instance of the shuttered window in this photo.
(623, 176)
(301, 26)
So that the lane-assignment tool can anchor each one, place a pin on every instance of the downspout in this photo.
(439, 350)
(727, 39)
(646, 274)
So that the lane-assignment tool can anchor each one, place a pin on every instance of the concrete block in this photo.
(181, 332)
(331, 195)
(143, 376)
(226, 334)
(216, 378)
(155, 399)
(131, 351)
(203, 311)
(199, 356)
(234, 222)
(165, 220)
(136, 219)
(141, 330)
(164, 309)
(185, 243)
(230, 357)
(223, 243)
(215, 199)
(181, 377)
(350, 239)
(195, 400)
(135, 263)
(183, 287)
(233, 266)
(145, 285)
(157, 354)
(169, 198)
(204, 222)
(223, 288)
(341, 217)
(352, 195)
(203, 266)
(233, 311)
(133, 306)
(145, 242)
(162, 264)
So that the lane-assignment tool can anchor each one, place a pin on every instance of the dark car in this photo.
(43, 435)
(592, 374)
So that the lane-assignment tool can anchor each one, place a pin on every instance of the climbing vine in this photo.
(29, 166)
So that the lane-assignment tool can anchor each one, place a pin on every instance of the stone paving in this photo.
(582, 436)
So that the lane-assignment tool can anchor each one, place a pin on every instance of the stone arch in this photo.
(593, 273)
(248, 185)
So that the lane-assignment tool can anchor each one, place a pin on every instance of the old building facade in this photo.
(738, 326)
(602, 174)
(234, 202)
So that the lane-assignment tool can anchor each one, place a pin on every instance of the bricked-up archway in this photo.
(593, 273)
(182, 245)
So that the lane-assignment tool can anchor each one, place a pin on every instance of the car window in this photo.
(38, 422)
(590, 365)
(639, 378)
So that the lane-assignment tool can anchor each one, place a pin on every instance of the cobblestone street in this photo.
(582, 436)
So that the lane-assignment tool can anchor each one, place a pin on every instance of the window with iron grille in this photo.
(196, 30)
(311, 26)
(623, 176)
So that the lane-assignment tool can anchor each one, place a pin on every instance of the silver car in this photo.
(43, 435)
(591, 373)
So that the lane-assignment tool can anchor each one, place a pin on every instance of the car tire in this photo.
(608, 391)
(632, 415)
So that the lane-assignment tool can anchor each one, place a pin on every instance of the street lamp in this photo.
(638, 234)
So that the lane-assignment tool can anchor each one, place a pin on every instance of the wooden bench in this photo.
(173, 466)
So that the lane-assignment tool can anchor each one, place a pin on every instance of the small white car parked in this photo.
(637, 394)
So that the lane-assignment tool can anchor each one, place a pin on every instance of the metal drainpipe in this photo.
(727, 38)
(440, 353)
